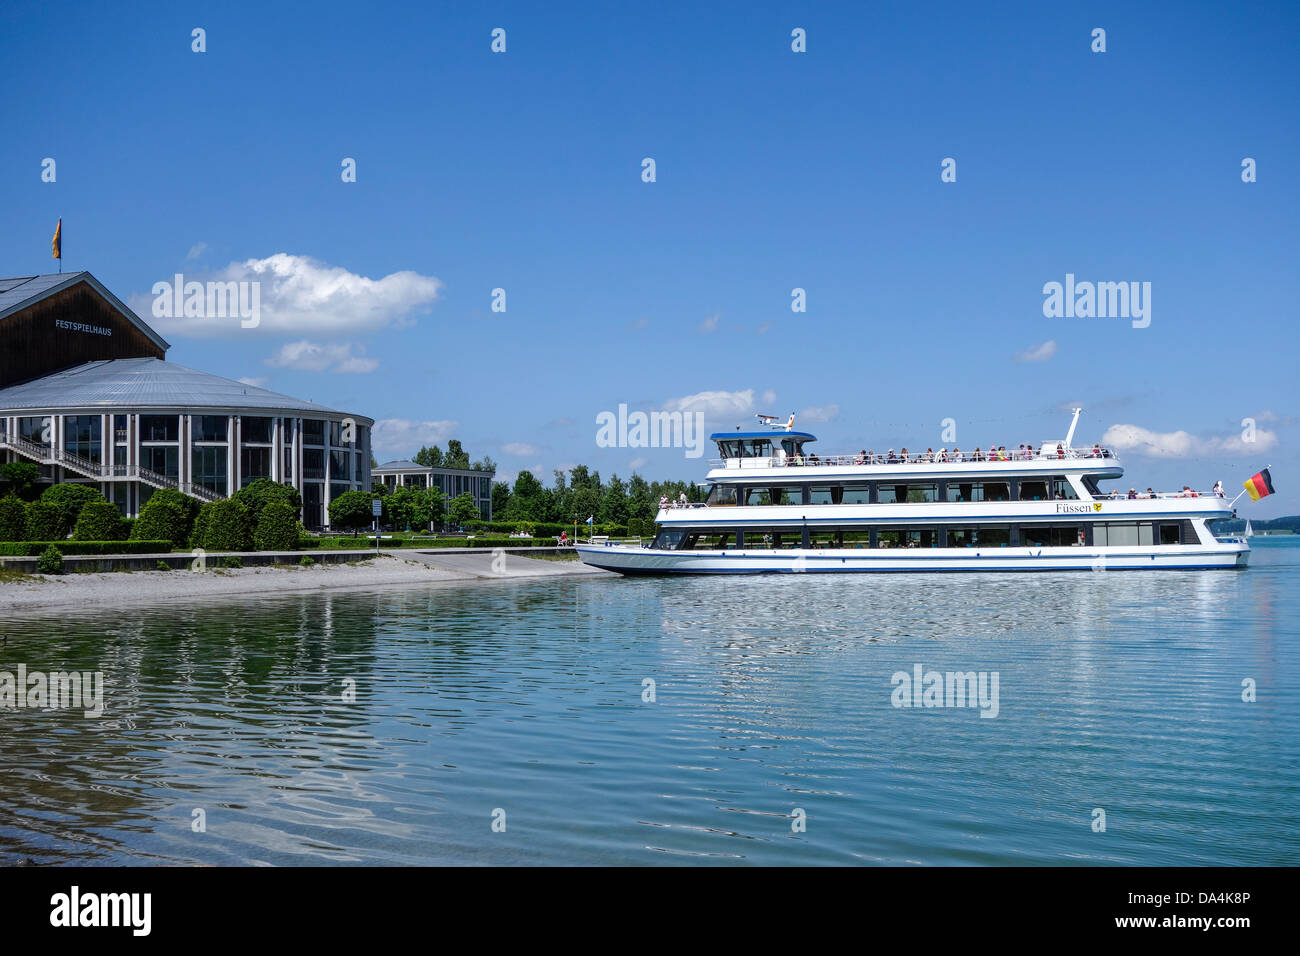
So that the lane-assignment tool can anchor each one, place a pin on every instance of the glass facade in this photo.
(81, 436)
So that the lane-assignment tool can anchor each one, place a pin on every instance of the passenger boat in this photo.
(775, 506)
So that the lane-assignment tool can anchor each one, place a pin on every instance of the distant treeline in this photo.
(580, 494)
(1235, 525)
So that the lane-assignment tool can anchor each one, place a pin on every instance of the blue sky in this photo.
(775, 170)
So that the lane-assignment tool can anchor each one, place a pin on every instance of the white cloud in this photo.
(764, 327)
(824, 413)
(316, 357)
(196, 250)
(403, 436)
(636, 463)
(298, 294)
(1037, 353)
(1181, 444)
(714, 405)
(711, 323)
(769, 397)
(255, 382)
(522, 449)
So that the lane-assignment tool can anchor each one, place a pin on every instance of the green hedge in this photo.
(44, 522)
(13, 518)
(277, 527)
(32, 549)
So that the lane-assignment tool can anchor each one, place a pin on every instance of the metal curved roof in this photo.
(147, 383)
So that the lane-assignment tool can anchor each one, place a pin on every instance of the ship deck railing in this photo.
(965, 458)
(1140, 496)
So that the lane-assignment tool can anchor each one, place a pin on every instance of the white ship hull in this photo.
(636, 560)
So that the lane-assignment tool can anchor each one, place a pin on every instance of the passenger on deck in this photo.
(1003, 455)
(1218, 489)
(663, 502)
(1060, 450)
(978, 455)
(890, 457)
(1096, 451)
(813, 459)
(943, 455)
(681, 500)
(956, 454)
(903, 453)
(929, 455)
(861, 458)
(1132, 493)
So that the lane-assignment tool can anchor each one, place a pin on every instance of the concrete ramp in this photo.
(487, 565)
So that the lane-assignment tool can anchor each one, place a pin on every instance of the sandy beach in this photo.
(150, 587)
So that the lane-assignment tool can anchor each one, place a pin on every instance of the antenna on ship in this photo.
(1069, 436)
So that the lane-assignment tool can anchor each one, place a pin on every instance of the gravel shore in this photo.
(150, 587)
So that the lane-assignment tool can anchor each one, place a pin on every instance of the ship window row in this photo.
(892, 492)
(1111, 534)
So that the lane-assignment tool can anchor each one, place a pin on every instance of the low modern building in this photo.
(451, 481)
(87, 394)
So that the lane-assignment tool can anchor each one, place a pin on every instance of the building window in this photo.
(313, 431)
(255, 431)
(211, 428)
(313, 463)
(163, 459)
(36, 430)
(254, 463)
(160, 428)
(340, 465)
(312, 516)
(209, 463)
(81, 436)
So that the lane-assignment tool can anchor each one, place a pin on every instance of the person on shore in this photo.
(564, 538)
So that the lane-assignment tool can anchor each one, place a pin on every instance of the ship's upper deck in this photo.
(749, 455)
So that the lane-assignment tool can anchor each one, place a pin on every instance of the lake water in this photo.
(772, 736)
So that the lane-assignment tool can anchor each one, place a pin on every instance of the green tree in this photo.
(99, 521)
(640, 503)
(20, 478)
(70, 498)
(277, 527)
(613, 503)
(351, 511)
(463, 509)
(586, 503)
(436, 505)
(429, 457)
(411, 508)
(456, 456)
(13, 518)
(500, 497)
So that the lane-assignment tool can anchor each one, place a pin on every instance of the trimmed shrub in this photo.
(44, 522)
(13, 518)
(70, 498)
(161, 518)
(232, 561)
(259, 493)
(51, 561)
(99, 521)
(164, 566)
(277, 527)
(225, 525)
(307, 561)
